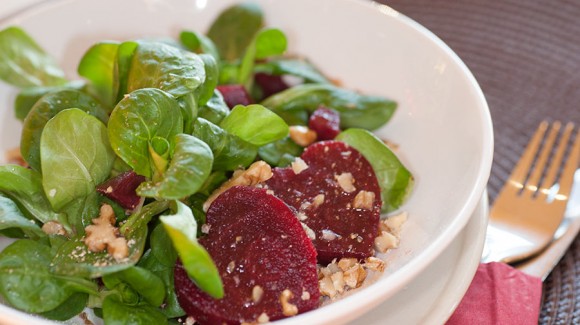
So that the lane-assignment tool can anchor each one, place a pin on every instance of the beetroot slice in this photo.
(325, 122)
(342, 227)
(235, 95)
(121, 189)
(270, 84)
(257, 243)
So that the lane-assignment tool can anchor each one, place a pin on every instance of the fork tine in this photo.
(520, 171)
(567, 177)
(538, 169)
(556, 163)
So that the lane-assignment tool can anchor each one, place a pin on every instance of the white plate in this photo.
(434, 294)
(442, 125)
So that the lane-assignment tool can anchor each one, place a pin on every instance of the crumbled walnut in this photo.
(288, 309)
(346, 263)
(231, 266)
(298, 165)
(329, 235)
(305, 295)
(257, 293)
(103, 234)
(258, 172)
(338, 281)
(354, 276)
(263, 318)
(386, 241)
(118, 248)
(345, 274)
(364, 200)
(53, 228)
(189, 320)
(393, 224)
(374, 264)
(346, 182)
(327, 287)
(318, 200)
(302, 135)
(13, 156)
(309, 232)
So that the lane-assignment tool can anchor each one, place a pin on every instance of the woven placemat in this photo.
(526, 57)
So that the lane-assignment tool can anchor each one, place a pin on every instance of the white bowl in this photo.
(442, 125)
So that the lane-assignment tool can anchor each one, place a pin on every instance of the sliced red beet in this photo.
(344, 225)
(121, 189)
(235, 95)
(260, 250)
(270, 84)
(325, 122)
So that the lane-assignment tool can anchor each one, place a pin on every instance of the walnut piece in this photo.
(346, 182)
(302, 135)
(257, 293)
(389, 230)
(53, 228)
(103, 234)
(298, 165)
(258, 172)
(288, 309)
(385, 241)
(364, 200)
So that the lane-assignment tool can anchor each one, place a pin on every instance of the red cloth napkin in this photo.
(500, 294)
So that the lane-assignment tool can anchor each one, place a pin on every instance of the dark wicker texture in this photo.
(526, 57)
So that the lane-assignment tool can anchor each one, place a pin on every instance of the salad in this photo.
(212, 176)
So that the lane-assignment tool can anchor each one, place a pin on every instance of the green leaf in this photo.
(280, 152)
(356, 110)
(143, 281)
(70, 308)
(268, 42)
(166, 67)
(255, 124)
(188, 169)
(45, 109)
(234, 29)
(142, 115)
(182, 230)
(74, 258)
(215, 110)
(27, 283)
(117, 313)
(98, 66)
(81, 210)
(125, 54)
(160, 260)
(23, 63)
(27, 97)
(205, 92)
(24, 187)
(198, 43)
(294, 67)
(230, 152)
(395, 180)
(76, 156)
(189, 111)
(11, 217)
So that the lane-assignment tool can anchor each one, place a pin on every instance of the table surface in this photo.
(526, 57)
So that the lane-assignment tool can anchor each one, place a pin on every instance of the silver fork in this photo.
(531, 205)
